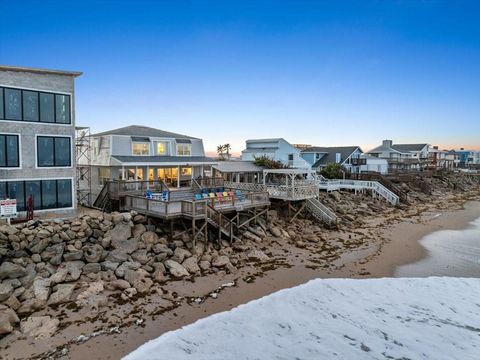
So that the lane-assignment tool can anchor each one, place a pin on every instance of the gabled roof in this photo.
(331, 153)
(408, 147)
(137, 130)
(237, 166)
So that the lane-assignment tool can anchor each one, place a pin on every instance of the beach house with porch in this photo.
(403, 157)
(143, 153)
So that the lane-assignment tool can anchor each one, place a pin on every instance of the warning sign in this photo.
(8, 208)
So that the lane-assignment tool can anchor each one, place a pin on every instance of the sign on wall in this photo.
(8, 208)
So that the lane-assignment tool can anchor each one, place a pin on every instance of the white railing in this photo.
(320, 211)
(374, 186)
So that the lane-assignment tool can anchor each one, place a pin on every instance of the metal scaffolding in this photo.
(83, 160)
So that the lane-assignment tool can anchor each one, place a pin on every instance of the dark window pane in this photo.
(64, 190)
(62, 151)
(12, 150)
(30, 105)
(47, 108)
(1, 104)
(33, 188)
(13, 108)
(3, 155)
(3, 190)
(15, 191)
(62, 111)
(45, 151)
(49, 194)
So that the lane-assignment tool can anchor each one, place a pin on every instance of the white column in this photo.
(136, 177)
(123, 173)
(178, 176)
(147, 177)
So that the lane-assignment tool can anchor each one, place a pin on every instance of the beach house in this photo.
(37, 130)
(352, 158)
(147, 154)
(403, 157)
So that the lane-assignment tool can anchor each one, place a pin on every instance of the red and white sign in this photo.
(8, 208)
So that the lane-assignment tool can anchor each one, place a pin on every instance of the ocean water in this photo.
(450, 253)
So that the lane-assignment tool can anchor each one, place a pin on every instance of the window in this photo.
(62, 109)
(184, 149)
(141, 149)
(2, 115)
(47, 108)
(104, 175)
(47, 194)
(13, 108)
(53, 151)
(161, 148)
(186, 171)
(30, 106)
(34, 106)
(9, 151)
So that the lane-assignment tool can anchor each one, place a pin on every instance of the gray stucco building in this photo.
(37, 137)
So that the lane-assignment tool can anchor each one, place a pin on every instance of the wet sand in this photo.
(378, 248)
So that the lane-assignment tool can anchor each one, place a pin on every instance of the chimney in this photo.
(435, 147)
(387, 143)
(338, 158)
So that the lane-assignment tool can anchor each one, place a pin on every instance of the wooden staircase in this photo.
(103, 201)
(223, 224)
(321, 212)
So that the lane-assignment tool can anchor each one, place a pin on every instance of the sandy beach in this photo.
(374, 249)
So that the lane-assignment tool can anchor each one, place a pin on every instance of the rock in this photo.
(11, 271)
(248, 235)
(139, 280)
(62, 294)
(13, 303)
(38, 245)
(36, 258)
(92, 268)
(109, 265)
(128, 265)
(276, 231)
(68, 271)
(204, 265)
(41, 288)
(119, 284)
(180, 254)
(95, 288)
(121, 232)
(73, 255)
(140, 256)
(6, 290)
(162, 249)
(8, 229)
(138, 230)
(128, 293)
(54, 253)
(191, 264)
(125, 245)
(159, 276)
(150, 238)
(117, 256)
(39, 327)
(8, 319)
(176, 269)
(220, 261)
(257, 255)
(336, 195)
(93, 253)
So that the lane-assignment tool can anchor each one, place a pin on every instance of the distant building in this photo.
(403, 157)
(144, 153)
(468, 158)
(37, 131)
(351, 158)
(276, 149)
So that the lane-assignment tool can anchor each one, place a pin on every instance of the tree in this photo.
(269, 163)
(333, 171)
(223, 152)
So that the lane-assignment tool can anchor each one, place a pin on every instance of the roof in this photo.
(237, 166)
(259, 149)
(331, 152)
(163, 159)
(408, 147)
(265, 140)
(39, 71)
(138, 130)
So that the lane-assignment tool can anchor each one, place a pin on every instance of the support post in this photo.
(178, 176)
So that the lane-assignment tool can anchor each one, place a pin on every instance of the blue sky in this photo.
(321, 73)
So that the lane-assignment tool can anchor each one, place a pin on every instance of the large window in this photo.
(35, 106)
(161, 148)
(184, 149)
(141, 148)
(9, 151)
(47, 194)
(53, 151)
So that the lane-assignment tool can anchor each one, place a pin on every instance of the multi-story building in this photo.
(403, 157)
(143, 153)
(276, 149)
(37, 130)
